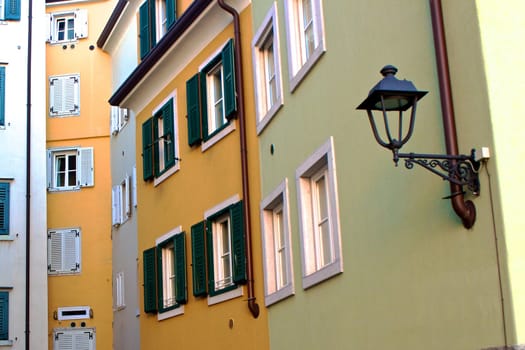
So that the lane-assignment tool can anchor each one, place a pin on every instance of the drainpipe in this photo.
(28, 172)
(239, 84)
(464, 209)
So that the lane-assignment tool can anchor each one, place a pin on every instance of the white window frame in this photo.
(176, 167)
(121, 202)
(299, 65)
(322, 161)
(267, 32)
(234, 293)
(222, 252)
(80, 25)
(230, 127)
(64, 95)
(179, 310)
(68, 241)
(161, 19)
(276, 201)
(74, 336)
(120, 301)
(84, 168)
(119, 119)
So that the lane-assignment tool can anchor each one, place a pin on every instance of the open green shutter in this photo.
(12, 9)
(147, 149)
(169, 134)
(145, 28)
(4, 315)
(238, 243)
(2, 96)
(4, 208)
(179, 242)
(198, 258)
(193, 110)
(171, 12)
(150, 280)
(228, 66)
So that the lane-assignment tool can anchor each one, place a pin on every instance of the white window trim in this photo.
(269, 24)
(78, 252)
(237, 292)
(119, 119)
(176, 167)
(180, 309)
(297, 70)
(120, 295)
(206, 144)
(82, 165)
(121, 198)
(325, 156)
(278, 195)
(80, 17)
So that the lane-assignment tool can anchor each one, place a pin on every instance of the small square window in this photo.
(70, 168)
(277, 252)
(305, 32)
(67, 26)
(319, 216)
(267, 69)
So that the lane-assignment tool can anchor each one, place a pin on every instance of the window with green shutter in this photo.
(2, 96)
(12, 10)
(171, 272)
(4, 208)
(218, 252)
(4, 315)
(155, 19)
(159, 142)
(211, 98)
(150, 280)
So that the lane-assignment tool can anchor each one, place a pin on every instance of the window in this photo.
(165, 287)
(155, 18)
(119, 118)
(221, 235)
(121, 200)
(211, 98)
(267, 64)
(319, 216)
(67, 26)
(63, 251)
(71, 338)
(277, 245)
(64, 95)
(305, 32)
(119, 291)
(159, 139)
(10, 10)
(70, 168)
(4, 208)
(4, 316)
(2, 96)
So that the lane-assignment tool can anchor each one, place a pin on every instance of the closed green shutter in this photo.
(171, 12)
(228, 66)
(150, 281)
(12, 9)
(145, 28)
(147, 149)
(4, 208)
(4, 315)
(238, 243)
(193, 110)
(179, 242)
(198, 258)
(169, 137)
(2, 96)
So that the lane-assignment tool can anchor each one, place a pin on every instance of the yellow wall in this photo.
(203, 181)
(89, 208)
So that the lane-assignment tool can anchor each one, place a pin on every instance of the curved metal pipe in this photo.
(464, 209)
(239, 84)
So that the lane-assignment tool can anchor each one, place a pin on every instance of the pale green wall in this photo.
(413, 276)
